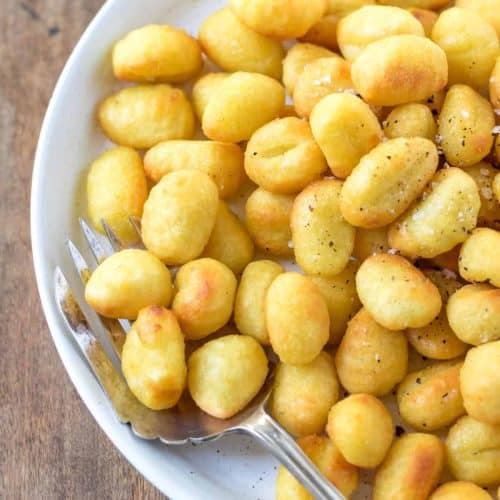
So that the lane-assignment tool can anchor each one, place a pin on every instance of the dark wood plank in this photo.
(50, 447)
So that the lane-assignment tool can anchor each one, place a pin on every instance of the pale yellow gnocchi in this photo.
(280, 19)
(116, 190)
(250, 302)
(235, 47)
(487, 9)
(141, 117)
(341, 299)
(241, 104)
(410, 120)
(179, 216)
(495, 85)
(283, 157)
(473, 451)
(480, 383)
(387, 180)
(297, 318)
(221, 161)
(441, 218)
(204, 297)
(370, 242)
(303, 395)
(466, 124)
(229, 241)
(480, 257)
(225, 374)
(157, 53)
(371, 23)
(470, 43)
(127, 282)
(153, 361)
(474, 313)
(203, 90)
(346, 129)
(396, 293)
(323, 241)
(426, 17)
(371, 359)
(362, 429)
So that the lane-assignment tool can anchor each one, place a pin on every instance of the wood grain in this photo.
(50, 446)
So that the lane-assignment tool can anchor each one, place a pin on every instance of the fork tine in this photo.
(99, 245)
(136, 224)
(116, 330)
(108, 377)
(112, 237)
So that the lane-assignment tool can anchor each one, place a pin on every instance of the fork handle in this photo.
(283, 446)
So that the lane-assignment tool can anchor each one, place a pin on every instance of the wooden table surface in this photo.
(50, 446)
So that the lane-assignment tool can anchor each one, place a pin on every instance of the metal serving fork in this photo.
(186, 423)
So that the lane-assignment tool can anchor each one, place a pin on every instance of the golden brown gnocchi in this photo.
(297, 318)
(441, 218)
(153, 361)
(465, 126)
(457, 490)
(303, 395)
(225, 374)
(362, 429)
(387, 180)
(396, 293)
(250, 303)
(280, 19)
(341, 299)
(480, 383)
(156, 53)
(282, 157)
(268, 221)
(221, 161)
(471, 51)
(229, 241)
(128, 281)
(141, 117)
(204, 297)
(325, 455)
(370, 358)
(179, 216)
(346, 129)
(116, 190)
(241, 104)
(473, 451)
(480, 257)
(371, 23)
(411, 470)
(399, 69)
(235, 47)
(323, 241)
(474, 313)
(430, 399)
(320, 78)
